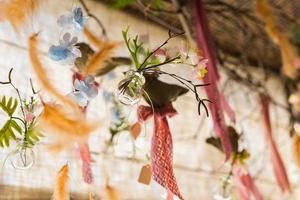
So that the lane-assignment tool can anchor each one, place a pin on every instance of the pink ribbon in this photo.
(86, 163)
(278, 165)
(245, 184)
(204, 42)
(227, 108)
(161, 147)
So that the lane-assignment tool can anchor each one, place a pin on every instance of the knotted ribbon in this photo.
(278, 165)
(245, 184)
(204, 41)
(161, 147)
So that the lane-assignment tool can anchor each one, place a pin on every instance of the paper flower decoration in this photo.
(66, 52)
(200, 70)
(188, 54)
(84, 91)
(75, 19)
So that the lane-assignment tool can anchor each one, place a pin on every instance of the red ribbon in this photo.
(246, 184)
(278, 165)
(86, 163)
(161, 147)
(204, 41)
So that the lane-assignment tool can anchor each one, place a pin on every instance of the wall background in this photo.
(198, 167)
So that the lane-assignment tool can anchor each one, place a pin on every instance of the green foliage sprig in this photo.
(12, 126)
(121, 124)
(137, 50)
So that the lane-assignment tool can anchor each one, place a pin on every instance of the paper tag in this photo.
(135, 130)
(145, 175)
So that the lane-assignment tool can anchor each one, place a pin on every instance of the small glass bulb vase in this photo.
(131, 88)
(23, 157)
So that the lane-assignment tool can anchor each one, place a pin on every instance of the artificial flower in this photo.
(161, 55)
(189, 55)
(31, 110)
(200, 70)
(75, 19)
(66, 52)
(85, 90)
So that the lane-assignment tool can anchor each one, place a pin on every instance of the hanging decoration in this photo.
(204, 41)
(20, 127)
(74, 20)
(66, 52)
(142, 81)
(86, 163)
(244, 182)
(278, 165)
(161, 146)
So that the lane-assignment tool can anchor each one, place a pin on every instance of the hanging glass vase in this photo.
(23, 157)
(131, 88)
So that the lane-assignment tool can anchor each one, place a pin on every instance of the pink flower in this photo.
(200, 70)
(160, 54)
(29, 117)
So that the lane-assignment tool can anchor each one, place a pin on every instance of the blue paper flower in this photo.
(66, 52)
(107, 96)
(84, 91)
(75, 19)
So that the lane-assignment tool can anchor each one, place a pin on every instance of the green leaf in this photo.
(7, 133)
(9, 102)
(33, 136)
(10, 106)
(12, 134)
(6, 138)
(4, 100)
(14, 107)
(16, 126)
